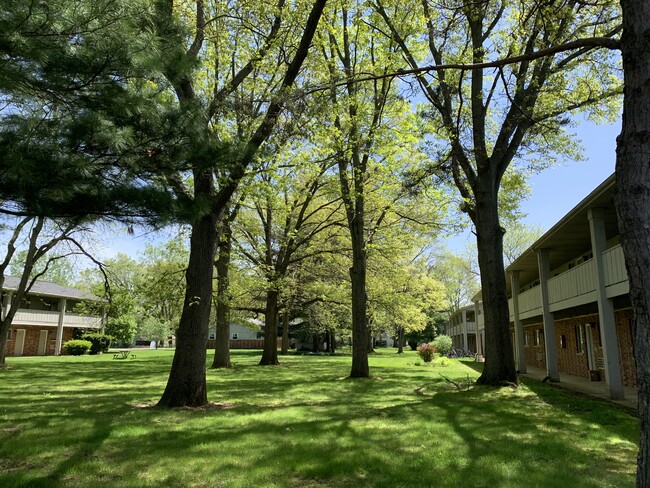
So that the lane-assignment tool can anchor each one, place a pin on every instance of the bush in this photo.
(77, 347)
(426, 352)
(100, 342)
(442, 361)
(443, 344)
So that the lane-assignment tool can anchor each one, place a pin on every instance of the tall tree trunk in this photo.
(186, 385)
(222, 333)
(400, 340)
(499, 360)
(270, 353)
(285, 332)
(633, 203)
(371, 342)
(331, 341)
(315, 342)
(360, 368)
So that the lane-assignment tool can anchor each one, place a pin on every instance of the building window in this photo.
(235, 336)
(212, 336)
(580, 339)
(9, 335)
(563, 342)
(525, 338)
(538, 337)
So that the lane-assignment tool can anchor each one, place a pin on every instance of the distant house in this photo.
(241, 336)
(44, 320)
(461, 327)
(570, 308)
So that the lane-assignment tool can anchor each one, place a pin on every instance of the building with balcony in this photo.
(461, 327)
(569, 301)
(46, 318)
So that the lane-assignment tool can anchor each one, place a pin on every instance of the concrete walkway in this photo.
(583, 385)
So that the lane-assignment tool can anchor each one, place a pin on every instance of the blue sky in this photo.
(556, 190)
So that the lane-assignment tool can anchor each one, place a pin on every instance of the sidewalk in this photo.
(583, 385)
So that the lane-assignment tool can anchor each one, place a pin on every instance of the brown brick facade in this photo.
(244, 343)
(575, 362)
(32, 339)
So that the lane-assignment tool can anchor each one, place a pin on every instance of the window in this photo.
(580, 339)
(563, 342)
(538, 337)
(235, 336)
(212, 336)
(9, 335)
(525, 338)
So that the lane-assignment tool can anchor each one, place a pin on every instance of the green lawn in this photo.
(79, 422)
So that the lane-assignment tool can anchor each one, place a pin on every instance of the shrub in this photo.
(442, 361)
(443, 344)
(426, 352)
(77, 347)
(100, 342)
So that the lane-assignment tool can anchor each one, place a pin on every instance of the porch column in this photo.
(464, 318)
(550, 347)
(6, 304)
(479, 348)
(519, 327)
(59, 329)
(605, 307)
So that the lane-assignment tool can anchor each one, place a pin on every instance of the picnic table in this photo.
(123, 354)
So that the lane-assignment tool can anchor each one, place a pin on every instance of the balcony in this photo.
(576, 286)
(51, 319)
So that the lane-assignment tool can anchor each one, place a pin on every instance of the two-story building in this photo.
(45, 319)
(569, 299)
(461, 327)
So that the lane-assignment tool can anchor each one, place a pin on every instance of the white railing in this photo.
(51, 319)
(573, 283)
(614, 264)
(530, 300)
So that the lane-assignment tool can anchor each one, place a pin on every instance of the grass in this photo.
(78, 422)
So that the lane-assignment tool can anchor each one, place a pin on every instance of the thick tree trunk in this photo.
(371, 342)
(633, 203)
(400, 340)
(331, 341)
(285, 332)
(222, 334)
(499, 365)
(186, 386)
(360, 368)
(315, 342)
(270, 353)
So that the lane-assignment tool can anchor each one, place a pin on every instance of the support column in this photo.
(6, 304)
(519, 327)
(464, 319)
(605, 307)
(479, 342)
(59, 329)
(550, 345)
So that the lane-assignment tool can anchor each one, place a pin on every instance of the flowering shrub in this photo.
(426, 352)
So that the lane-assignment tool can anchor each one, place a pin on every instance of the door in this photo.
(19, 342)
(591, 356)
(42, 343)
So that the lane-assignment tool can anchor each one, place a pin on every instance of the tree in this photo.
(293, 204)
(517, 239)
(41, 238)
(186, 385)
(458, 277)
(494, 116)
(633, 203)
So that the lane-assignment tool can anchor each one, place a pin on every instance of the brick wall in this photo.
(245, 344)
(624, 327)
(32, 338)
(570, 361)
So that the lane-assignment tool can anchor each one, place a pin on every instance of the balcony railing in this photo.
(51, 319)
